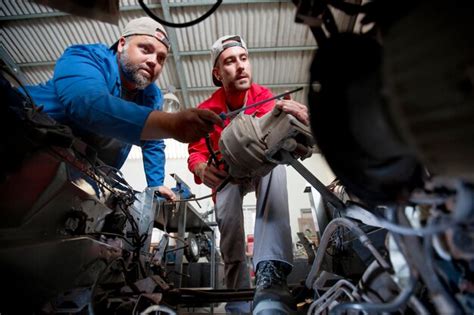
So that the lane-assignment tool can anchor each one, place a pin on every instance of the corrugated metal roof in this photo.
(280, 50)
(36, 42)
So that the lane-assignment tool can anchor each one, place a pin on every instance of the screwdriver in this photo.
(231, 114)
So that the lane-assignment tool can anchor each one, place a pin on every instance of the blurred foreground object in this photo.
(102, 10)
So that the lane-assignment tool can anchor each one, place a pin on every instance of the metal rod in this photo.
(235, 112)
(326, 194)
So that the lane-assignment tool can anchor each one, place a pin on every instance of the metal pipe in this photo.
(331, 227)
(391, 306)
(320, 309)
(335, 287)
(411, 248)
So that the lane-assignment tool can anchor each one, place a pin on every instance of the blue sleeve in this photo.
(154, 162)
(153, 152)
(82, 79)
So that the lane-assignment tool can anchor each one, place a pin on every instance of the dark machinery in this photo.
(198, 245)
(392, 111)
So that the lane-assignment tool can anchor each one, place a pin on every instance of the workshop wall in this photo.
(177, 163)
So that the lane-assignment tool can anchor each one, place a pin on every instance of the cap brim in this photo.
(114, 47)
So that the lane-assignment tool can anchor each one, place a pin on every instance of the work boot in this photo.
(272, 296)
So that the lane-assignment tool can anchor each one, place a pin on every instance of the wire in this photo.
(219, 188)
(158, 308)
(213, 156)
(235, 112)
(189, 199)
(102, 273)
(409, 231)
(112, 234)
(180, 25)
(17, 80)
(379, 308)
(176, 238)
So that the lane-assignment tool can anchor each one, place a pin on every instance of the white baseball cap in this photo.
(222, 44)
(147, 26)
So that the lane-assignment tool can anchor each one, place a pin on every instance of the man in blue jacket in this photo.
(109, 99)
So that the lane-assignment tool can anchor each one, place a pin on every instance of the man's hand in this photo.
(167, 193)
(193, 124)
(186, 126)
(294, 108)
(210, 175)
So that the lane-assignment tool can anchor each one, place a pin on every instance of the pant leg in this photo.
(230, 220)
(272, 234)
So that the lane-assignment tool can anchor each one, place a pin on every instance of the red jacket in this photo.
(198, 152)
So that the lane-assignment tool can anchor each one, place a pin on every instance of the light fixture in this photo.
(171, 102)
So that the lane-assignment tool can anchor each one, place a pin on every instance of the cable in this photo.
(158, 308)
(175, 237)
(14, 77)
(219, 188)
(409, 231)
(325, 239)
(179, 25)
(112, 234)
(189, 199)
(213, 156)
(411, 249)
(379, 308)
(102, 273)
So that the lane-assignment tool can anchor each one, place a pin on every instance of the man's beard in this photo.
(131, 72)
(241, 87)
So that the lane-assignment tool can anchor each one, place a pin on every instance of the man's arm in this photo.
(154, 161)
(81, 85)
(186, 126)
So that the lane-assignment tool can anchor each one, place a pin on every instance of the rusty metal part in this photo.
(252, 146)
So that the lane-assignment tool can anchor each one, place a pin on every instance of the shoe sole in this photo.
(272, 308)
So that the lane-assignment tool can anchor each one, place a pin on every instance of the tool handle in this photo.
(223, 116)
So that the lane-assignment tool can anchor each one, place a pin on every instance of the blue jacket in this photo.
(84, 94)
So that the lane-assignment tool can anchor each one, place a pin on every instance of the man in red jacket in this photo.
(273, 249)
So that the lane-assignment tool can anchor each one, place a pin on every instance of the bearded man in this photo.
(108, 98)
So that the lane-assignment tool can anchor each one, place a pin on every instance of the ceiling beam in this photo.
(138, 8)
(257, 50)
(173, 37)
(10, 63)
(198, 53)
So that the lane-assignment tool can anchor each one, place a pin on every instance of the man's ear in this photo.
(215, 73)
(121, 44)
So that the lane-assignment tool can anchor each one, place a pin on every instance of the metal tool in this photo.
(233, 113)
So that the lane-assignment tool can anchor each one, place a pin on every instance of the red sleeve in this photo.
(198, 153)
(261, 93)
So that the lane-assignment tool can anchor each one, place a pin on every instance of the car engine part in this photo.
(393, 115)
(198, 245)
(253, 146)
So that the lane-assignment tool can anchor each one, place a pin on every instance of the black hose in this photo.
(331, 227)
(179, 25)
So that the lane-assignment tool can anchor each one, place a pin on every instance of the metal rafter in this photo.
(10, 63)
(197, 53)
(176, 56)
(138, 8)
